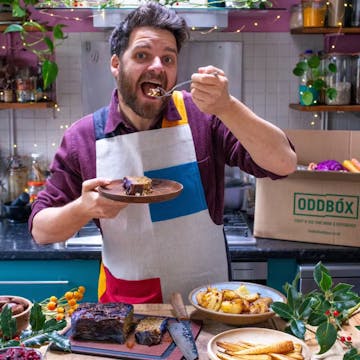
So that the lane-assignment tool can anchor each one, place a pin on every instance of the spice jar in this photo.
(314, 12)
(341, 79)
(296, 16)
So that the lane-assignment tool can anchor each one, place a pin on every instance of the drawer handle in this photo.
(34, 282)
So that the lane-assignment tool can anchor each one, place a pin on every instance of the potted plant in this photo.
(312, 72)
(36, 37)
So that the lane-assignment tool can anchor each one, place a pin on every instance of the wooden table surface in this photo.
(211, 328)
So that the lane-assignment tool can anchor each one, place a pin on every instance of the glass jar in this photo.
(314, 12)
(356, 78)
(17, 177)
(355, 16)
(34, 187)
(341, 79)
(296, 16)
(335, 13)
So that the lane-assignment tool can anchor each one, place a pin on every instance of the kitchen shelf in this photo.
(326, 108)
(30, 105)
(326, 30)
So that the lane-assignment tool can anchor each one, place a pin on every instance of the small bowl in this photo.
(23, 317)
(16, 213)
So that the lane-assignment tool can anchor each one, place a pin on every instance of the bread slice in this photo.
(149, 330)
(137, 185)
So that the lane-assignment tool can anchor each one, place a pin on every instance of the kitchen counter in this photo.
(17, 244)
(209, 329)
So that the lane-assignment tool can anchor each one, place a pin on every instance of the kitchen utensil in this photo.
(180, 331)
(237, 319)
(163, 93)
(162, 190)
(254, 335)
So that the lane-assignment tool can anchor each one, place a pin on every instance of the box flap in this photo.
(320, 145)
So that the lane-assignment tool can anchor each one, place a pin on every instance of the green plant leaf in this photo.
(332, 68)
(282, 309)
(60, 341)
(307, 98)
(314, 61)
(298, 328)
(331, 93)
(7, 323)
(17, 10)
(305, 308)
(37, 318)
(58, 33)
(52, 324)
(352, 354)
(14, 28)
(49, 44)
(326, 336)
(49, 72)
(319, 84)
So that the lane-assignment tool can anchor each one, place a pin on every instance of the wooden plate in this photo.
(162, 190)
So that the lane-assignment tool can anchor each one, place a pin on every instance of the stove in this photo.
(236, 229)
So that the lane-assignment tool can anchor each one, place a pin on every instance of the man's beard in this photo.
(128, 94)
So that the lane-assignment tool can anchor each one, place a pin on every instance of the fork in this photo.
(163, 93)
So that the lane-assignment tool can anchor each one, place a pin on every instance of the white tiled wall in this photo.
(268, 88)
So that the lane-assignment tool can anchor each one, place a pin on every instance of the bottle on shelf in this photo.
(36, 179)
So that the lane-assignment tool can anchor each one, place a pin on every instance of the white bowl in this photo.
(237, 319)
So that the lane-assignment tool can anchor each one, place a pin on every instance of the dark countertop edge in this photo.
(301, 251)
(62, 254)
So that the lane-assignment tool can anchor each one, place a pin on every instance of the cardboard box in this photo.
(313, 206)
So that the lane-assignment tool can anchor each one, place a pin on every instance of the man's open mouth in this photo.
(150, 89)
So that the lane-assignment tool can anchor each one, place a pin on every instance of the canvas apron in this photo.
(152, 250)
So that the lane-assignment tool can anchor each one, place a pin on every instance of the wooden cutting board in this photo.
(131, 350)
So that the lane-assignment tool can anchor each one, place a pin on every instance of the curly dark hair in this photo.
(150, 14)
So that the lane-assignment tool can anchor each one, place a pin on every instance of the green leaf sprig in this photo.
(41, 331)
(325, 309)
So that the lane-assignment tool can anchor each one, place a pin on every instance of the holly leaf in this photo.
(282, 309)
(37, 318)
(326, 336)
(298, 328)
(7, 323)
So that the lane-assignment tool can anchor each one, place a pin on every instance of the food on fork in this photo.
(137, 185)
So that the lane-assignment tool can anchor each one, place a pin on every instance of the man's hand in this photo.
(209, 90)
(95, 205)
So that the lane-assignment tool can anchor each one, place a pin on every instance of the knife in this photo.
(180, 330)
